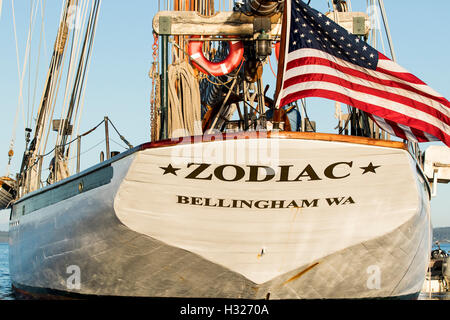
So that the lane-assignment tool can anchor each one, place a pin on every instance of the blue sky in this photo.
(118, 83)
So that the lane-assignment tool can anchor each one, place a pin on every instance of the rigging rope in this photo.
(29, 180)
(120, 136)
(79, 110)
(33, 14)
(21, 75)
(42, 35)
(77, 16)
(79, 64)
(184, 101)
(66, 144)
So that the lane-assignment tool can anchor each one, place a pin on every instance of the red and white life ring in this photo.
(231, 62)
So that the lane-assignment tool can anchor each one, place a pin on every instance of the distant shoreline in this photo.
(442, 235)
(3, 236)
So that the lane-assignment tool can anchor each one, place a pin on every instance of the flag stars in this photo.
(314, 30)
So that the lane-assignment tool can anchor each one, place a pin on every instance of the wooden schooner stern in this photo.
(236, 195)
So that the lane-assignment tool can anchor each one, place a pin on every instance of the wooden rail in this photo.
(277, 135)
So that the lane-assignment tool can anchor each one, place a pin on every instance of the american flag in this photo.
(325, 60)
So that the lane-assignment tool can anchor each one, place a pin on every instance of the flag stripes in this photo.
(324, 61)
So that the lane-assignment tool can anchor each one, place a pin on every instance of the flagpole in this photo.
(281, 57)
(278, 112)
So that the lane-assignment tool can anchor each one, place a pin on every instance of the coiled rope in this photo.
(184, 101)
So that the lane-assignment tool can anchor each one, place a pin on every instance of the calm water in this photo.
(5, 282)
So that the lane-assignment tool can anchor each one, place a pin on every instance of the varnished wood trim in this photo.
(276, 135)
(222, 23)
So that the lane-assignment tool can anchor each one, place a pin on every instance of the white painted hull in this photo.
(182, 231)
